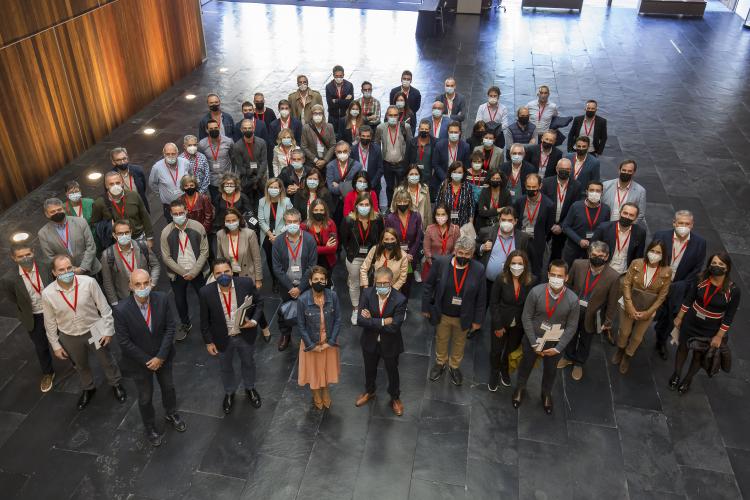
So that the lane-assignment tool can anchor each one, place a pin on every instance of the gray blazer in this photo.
(248, 250)
(115, 276)
(82, 246)
(637, 195)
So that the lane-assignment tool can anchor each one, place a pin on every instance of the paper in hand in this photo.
(675, 336)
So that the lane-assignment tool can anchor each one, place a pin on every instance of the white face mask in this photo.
(437, 113)
(191, 150)
(453, 136)
(284, 113)
(516, 269)
(400, 104)
(115, 189)
(342, 157)
(487, 143)
(286, 141)
(449, 90)
(302, 87)
(506, 226)
(297, 165)
(456, 177)
(75, 197)
(229, 189)
(476, 166)
(273, 192)
(594, 196)
(339, 80)
(171, 161)
(413, 179)
(682, 231)
(367, 94)
(354, 113)
(406, 83)
(317, 118)
(516, 159)
(556, 283)
(441, 219)
(492, 100)
(654, 257)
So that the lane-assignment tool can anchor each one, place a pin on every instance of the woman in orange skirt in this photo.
(319, 323)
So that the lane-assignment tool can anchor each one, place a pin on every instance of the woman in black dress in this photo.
(707, 313)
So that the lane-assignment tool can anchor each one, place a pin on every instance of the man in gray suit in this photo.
(68, 235)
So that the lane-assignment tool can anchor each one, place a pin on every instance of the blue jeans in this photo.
(245, 352)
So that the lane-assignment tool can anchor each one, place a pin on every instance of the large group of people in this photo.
(501, 221)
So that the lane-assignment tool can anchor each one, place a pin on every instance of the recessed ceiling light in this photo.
(149, 131)
(223, 70)
(94, 176)
(190, 97)
(18, 237)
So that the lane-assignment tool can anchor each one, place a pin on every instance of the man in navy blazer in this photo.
(544, 156)
(563, 191)
(339, 94)
(382, 310)
(448, 150)
(586, 121)
(215, 113)
(585, 165)
(455, 103)
(413, 97)
(686, 254)
(132, 175)
(285, 120)
(144, 325)
(259, 126)
(454, 299)
(517, 185)
(220, 301)
(535, 218)
(623, 229)
(371, 152)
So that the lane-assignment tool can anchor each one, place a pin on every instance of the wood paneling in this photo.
(21, 18)
(67, 87)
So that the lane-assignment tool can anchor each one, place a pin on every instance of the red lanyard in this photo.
(176, 173)
(587, 130)
(617, 238)
(38, 287)
(516, 288)
(456, 197)
(285, 125)
(421, 152)
(488, 159)
(130, 266)
(444, 239)
(235, 249)
(215, 154)
(502, 245)
(529, 214)
(577, 169)
(645, 275)
(363, 154)
(249, 146)
(228, 302)
(366, 234)
(183, 246)
(354, 129)
(121, 212)
(382, 308)
(458, 285)
(293, 253)
(682, 250)
(452, 156)
(231, 201)
(130, 177)
(588, 289)
(365, 108)
(393, 136)
(549, 311)
(191, 205)
(492, 115)
(339, 90)
(540, 113)
(514, 179)
(436, 126)
(543, 158)
(343, 173)
(148, 316)
(493, 203)
(262, 116)
(273, 210)
(74, 305)
(77, 213)
(404, 229)
(195, 174)
(588, 216)
(67, 236)
(318, 235)
(624, 198)
(706, 297)
(561, 192)
(416, 196)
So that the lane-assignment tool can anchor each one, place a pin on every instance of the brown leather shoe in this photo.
(326, 395)
(284, 342)
(317, 398)
(624, 364)
(398, 407)
(364, 398)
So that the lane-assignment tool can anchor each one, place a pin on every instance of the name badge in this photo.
(454, 215)
(583, 303)
(589, 236)
(404, 248)
(546, 326)
(420, 167)
(513, 323)
(700, 316)
(321, 149)
(253, 221)
(295, 269)
(363, 250)
(456, 301)
(512, 192)
(253, 165)
(529, 230)
(621, 301)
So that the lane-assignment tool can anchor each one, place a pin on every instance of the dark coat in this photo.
(391, 341)
(474, 303)
(213, 321)
(137, 342)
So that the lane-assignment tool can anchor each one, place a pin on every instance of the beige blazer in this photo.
(634, 280)
(400, 268)
(249, 252)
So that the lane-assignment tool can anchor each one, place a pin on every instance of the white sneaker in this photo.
(417, 276)
(354, 317)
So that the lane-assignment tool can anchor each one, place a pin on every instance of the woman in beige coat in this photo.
(386, 253)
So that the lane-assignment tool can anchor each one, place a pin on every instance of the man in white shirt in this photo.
(541, 111)
(492, 113)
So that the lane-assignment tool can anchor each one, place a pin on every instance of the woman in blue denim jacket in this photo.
(319, 324)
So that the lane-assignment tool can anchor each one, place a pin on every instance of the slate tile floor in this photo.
(677, 99)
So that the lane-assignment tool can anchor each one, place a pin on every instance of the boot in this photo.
(326, 397)
(617, 357)
(625, 364)
(317, 398)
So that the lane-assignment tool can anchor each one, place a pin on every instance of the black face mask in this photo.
(364, 142)
(563, 174)
(597, 261)
(402, 208)
(716, 271)
(318, 286)
(248, 133)
(625, 177)
(122, 166)
(531, 193)
(318, 217)
(590, 114)
(190, 191)
(462, 261)
(547, 145)
(424, 133)
(58, 217)
(390, 246)
(214, 107)
(248, 116)
(214, 134)
(582, 152)
(496, 184)
(625, 222)
(523, 120)
(259, 107)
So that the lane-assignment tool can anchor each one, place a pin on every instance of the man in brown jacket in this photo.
(303, 99)
(597, 287)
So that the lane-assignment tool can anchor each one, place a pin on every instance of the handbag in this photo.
(642, 299)
(288, 310)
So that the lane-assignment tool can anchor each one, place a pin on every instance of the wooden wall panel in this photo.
(67, 87)
(21, 18)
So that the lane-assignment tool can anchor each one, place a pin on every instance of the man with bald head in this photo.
(144, 326)
(563, 191)
(166, 175)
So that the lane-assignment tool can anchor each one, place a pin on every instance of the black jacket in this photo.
(14, 289)
(391, 342)
(542, 224)
(351, 240)
(213, 321)
(137, 342)
(474, 303)
(337, 106)
(486, 214)
(600, 133)
(504, 307)
(549, 189)
(522, 241)
(534, 156)
(636, 244)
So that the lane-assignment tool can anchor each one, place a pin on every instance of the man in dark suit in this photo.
(144, 325)
(225, 121)
(455, 103)
(545, 156)
(285, 120)
(413, 97)
(536, 213)
(339, 94)
(449, 150)
(223, 333)
(23, 286)
(370, 156)
(381, 312)
(563, 191)
(516, 170)
(260, 129)
(133, 176)
(625, 238)
(583, 125)
(686, 254)
(585, 165)
(263, 113)
(454, 299)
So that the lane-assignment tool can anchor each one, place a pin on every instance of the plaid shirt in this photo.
(199, 169)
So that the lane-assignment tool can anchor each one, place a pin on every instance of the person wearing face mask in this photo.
(516, 170)
(263, 113)
(117, 203)
(542, 110)
(419, 192)
(626, 238)
(492, 156)
(551, 309)
(598, 288)
(184, 252)
(260, 128)
(68, 235)
(624, 189)
(23, 288)
(521, 131)
(477, 134)
(454, 300)
(339, 176)
(351, 123)
(563, 191)
(166, 174)
(78, 206)
(360, 231)
(455, 103)
(370, 156)
(225, 334)
(544, 157)
(271, 209)
(477, 176)
(122, 258)
(339, 95)
(199, 168)
(294, 254)
(313, 186)
(198, 205)
(224, 120)
(230, 197)
(217, 148)
(494, 114)
(393, 138)
(382, 312)
(585, 166)
(507, 298)
(133, 175)
(318, 140)
(492, 198)
(705, 317)
(536, 219)
(438, 121)
(413, 96)
(405, 114)
(644, 289)
(303, 99)
(449, 150)
(589, 125)
(319, 324)
(686, 253)
(72, 305)
(407, 223)
(322, 228)
(420, 152)
(387, 253)
(283, 122)
(250, 161)
(439, 238)
(582, 221)
(370, 106)
(144, 328)
(361, 185)
(293, 174)
(282, 152)
(456, 194)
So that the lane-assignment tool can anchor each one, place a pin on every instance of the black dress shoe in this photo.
(284, 342)
(85, 398)
(684, 387)
(662, 350)
(119, 392)
(178, 424)
(505, 379)
(456, 376)
(674, 381)
(518, 397)
(547, 403)
(436, 371)
(254, 398)
(154, 438)
(228, 403)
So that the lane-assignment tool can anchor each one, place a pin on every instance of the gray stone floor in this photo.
(677, 98)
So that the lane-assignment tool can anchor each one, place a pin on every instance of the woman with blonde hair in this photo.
(271, 209)
(282, 152)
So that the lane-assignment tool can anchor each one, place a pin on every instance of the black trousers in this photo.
(213, 192)
(38, 336)
(394, 174)
(571, 252)
(549, 366)
(144, 383)
(268, 250)
(663, 323)
(179, 287)
(500, 349)
(371, 371)
(406, 287)
(556, 244)
(579, 347)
